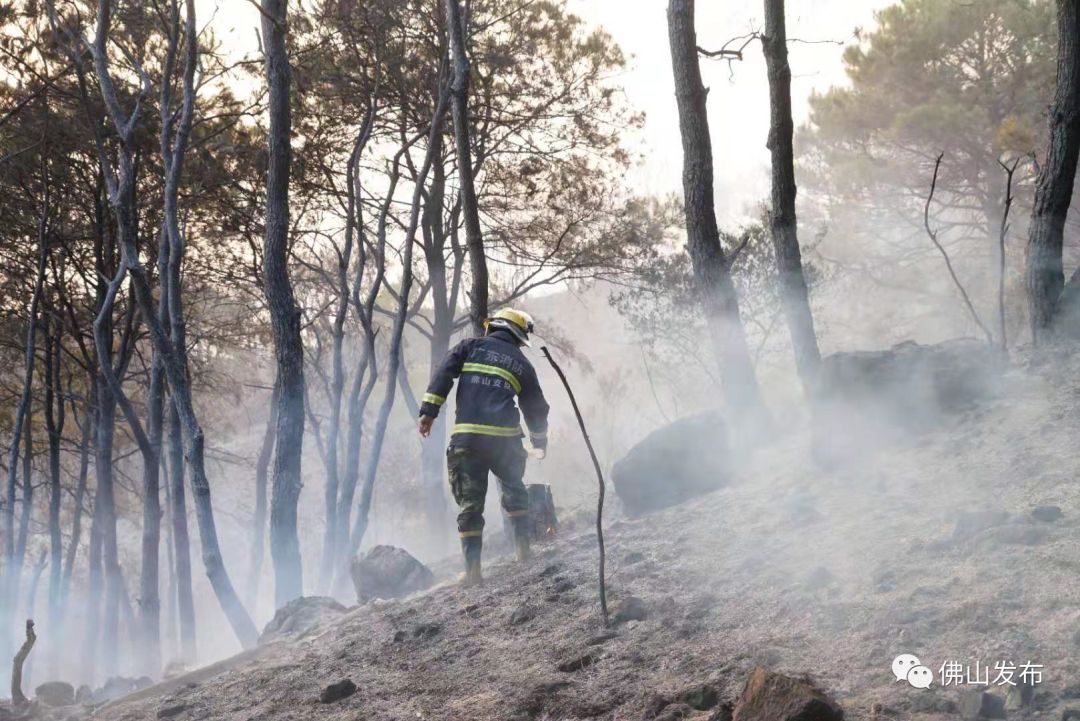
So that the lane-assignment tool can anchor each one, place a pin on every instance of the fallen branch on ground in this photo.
(599, 478)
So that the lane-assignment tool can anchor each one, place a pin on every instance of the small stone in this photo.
(399, 637)
(979, 705)
(770, 696)
(674, 712)
(564, 586)
(725, 712)
(523, 614)
(1047, 514)
(578, 663)
(631, 609)
(701, 697)
(654, 706)
(426, 630)
(337, 691)
(1019, 696)
(601, 638)
(538, 697)
(170, 711)
(633, 557)
(55, 693)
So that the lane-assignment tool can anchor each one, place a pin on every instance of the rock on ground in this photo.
(977, 705)
(55, 693)
(338, 691)
(300, 616)
(675, 463)
(867, 399)
(389, 572)
(771, 696)
(913, 379)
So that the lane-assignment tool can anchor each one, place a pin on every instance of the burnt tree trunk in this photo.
(185, 600)
(367, 370)
(12, 571)
(794, 298)
(284, 316)
(443, 302)
(712, 275)
(120, 183)
(55, 420)
(1054, 185)
(258, 521)
(393, 362)
(86, 429)
(474, 241)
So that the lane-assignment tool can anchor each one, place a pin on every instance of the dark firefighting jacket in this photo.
(493, 372)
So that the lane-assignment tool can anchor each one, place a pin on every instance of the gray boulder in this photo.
(910, 380)
(300, 617)
(388, 572)
(55, 693)
(867, 400)
(673, 464)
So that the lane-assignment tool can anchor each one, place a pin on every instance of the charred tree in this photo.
(185, 600)
(474, 241)
(18, 698)
(1054, 185)
(258, 521)
(712, 273)
(12, 571)
(284, 315)
(119, 181)
(393, 362)
(55, 420)
(794, 297)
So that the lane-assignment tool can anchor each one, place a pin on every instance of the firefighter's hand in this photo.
(425, 425)
(538, 454)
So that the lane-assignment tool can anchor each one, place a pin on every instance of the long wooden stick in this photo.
(599, 478)
(17, 697)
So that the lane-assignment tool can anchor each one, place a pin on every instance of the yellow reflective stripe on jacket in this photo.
(482, 430)
(434, 399)
(472, 534)
(493, 371)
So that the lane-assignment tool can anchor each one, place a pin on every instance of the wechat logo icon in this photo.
(907, 667)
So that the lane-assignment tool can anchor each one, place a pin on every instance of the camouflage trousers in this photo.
(468, 465)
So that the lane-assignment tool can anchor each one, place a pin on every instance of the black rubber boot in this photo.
(522, 540)
(472, 548)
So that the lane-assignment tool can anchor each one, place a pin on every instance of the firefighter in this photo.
(486, 436)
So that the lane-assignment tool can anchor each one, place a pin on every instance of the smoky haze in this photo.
(868, 521)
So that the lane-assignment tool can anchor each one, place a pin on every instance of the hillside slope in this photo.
(928, 549)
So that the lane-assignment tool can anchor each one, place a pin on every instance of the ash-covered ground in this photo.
(929, 547)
